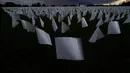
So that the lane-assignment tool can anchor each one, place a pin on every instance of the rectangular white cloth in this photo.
(113, 28)
(69, 48)
(43, 37)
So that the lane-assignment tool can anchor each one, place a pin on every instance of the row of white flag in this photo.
(65, 27)
(44, 38)
(33, 13)
(113, 27)
(70, 48)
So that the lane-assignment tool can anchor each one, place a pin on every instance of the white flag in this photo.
(107, 16)
(127, 19)
(84, 23)
(79, 17)
(24, 24)
(50, 16)
(100, 22)
(14, 22)
(64, 27)
(59, 18)
(69, 21)
(123, 15)
(100, 15)
(42, 23)
(118, 17)
(33, 20)
(96, 35)
(69, 48)
(84, 13)
(28, 26)
(43, 37)
(113, 17)
(93, 15)
(113, 28)
(71, 16)
(15, 17)
(54, 25)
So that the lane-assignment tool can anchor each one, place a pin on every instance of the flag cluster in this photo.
(69, 48)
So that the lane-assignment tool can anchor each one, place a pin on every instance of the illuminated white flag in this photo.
(84, 23)
(28, 26)
(113, 17)
(54, 25)
(96, 35)
(127, 19)
(84, 13)
(69, 48)
(69, 21)
(100, 15)
(93, 15)
(64, 27)
(14, 22)
(107, 16)
(59, 18)
(100, 22)
(123, 15)
(79, 16)
(118, 17)
(71, 16)
(15, 17)
(43, 37)
(113, 28)
(42, 23)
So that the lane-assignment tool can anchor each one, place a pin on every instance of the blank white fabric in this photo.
(79, 17)
(84, 13)
(33, 20)
(43, 37)
(100, 15)
(84, 23)
(71, 16)
(127, 19)
(118, 17)
(69, 21)
(42, 23)
(69, 48)
(123, 15)
(93, 15)
(50, 16)
(64, 27)
(112, 18)
(113, 27)
(96, 35)
(24, 24)
(107, 16)
(14, 22)
(100, 22)
(28, 26)
(15, 17)
(59, 18)
(54, 25)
